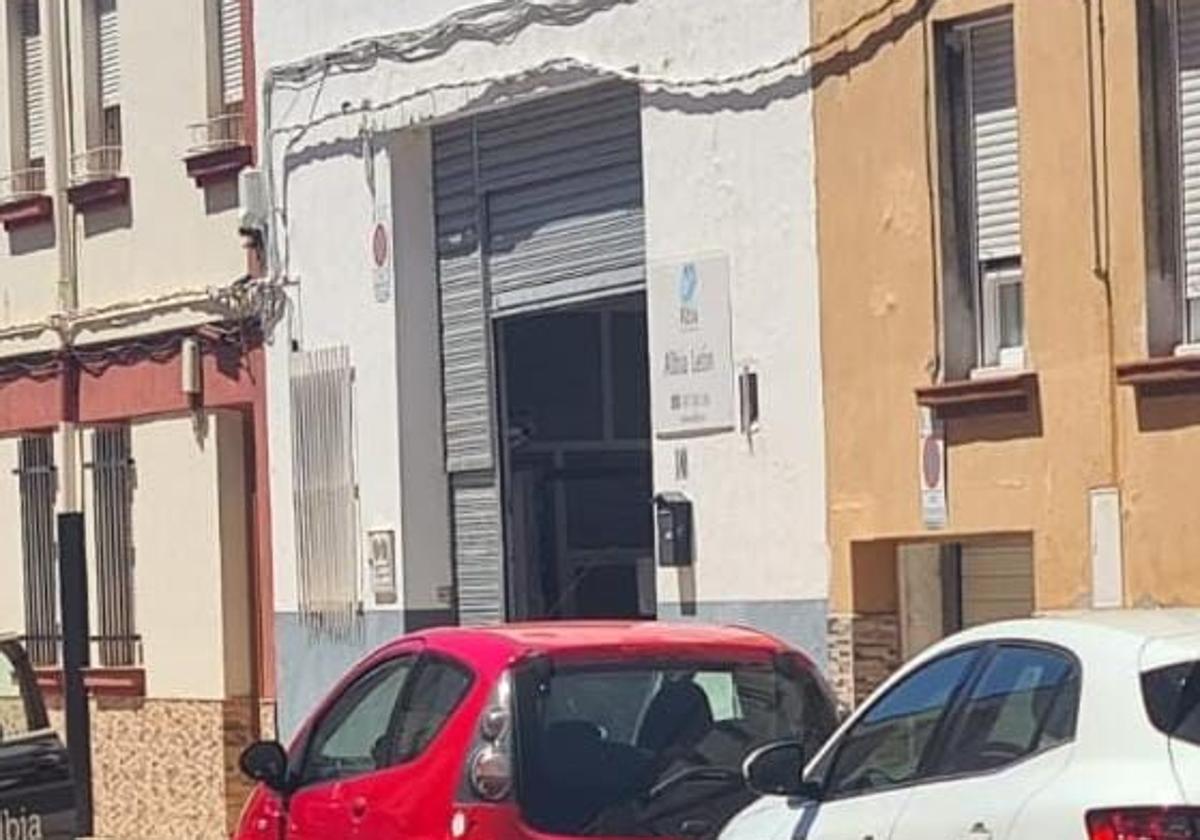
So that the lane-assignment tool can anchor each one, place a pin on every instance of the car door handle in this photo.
(358, 808)
(979, 831)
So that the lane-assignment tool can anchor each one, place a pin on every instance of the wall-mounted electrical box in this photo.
(673, 526)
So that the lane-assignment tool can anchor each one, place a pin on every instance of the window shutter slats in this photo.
(33, 65)
(1189, 143)
(231, 51)
(993, 92)
(110, 53)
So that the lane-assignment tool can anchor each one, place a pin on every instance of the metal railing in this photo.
(129, 647)
(223, 131)
(23, 183)
(96, 164)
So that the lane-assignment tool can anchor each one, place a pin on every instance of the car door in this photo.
(1009, 738)
(348, 744)
(37, 795)
(867, 775)
(412, 797)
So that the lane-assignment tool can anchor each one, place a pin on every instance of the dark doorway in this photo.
(575, 399)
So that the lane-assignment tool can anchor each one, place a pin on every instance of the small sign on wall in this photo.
(691, 346)
(932, 470)
(381, 551)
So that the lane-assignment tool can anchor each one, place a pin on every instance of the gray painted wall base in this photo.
(801, 624)
(309, 663)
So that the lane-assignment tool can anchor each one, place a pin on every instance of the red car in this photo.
(532, 732)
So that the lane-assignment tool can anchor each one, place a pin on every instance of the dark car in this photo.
(37, 796)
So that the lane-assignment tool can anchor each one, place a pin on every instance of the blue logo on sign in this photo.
(687, 284)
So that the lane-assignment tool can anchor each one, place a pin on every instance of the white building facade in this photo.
(552, 347)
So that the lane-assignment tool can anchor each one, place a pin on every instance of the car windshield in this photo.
(654, 748)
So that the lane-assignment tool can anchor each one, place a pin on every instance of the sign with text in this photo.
(933, 470)
(691, 346)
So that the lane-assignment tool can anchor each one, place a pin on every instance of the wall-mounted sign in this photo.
(381, 254)
(933, 470)
(381, 545)
(691, 347)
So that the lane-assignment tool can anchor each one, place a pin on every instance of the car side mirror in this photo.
(777, 769)
(266, 762)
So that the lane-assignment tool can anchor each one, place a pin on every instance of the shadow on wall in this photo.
(27, 240)
(104, 220)
(1164, 408)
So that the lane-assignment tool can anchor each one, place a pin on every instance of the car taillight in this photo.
(1144, 824)
(489, 771)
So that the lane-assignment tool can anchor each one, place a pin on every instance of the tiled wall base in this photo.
(864, 650)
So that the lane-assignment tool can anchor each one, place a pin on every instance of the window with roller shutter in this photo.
(983, 291)
(229, 15)
(33, 85)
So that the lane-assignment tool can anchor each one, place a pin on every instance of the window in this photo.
(109, 71)
(21, 711)
(436, 692)
(608, 750)
(353, 736)
(102, 54)
(37, 485)
(229, 14)
(223, 127)
(1025, 701)
(112, 529)
(888, 745)
(324, 489)
(983, 288)
(1171, 94)
(1172, 698)
(31, 67)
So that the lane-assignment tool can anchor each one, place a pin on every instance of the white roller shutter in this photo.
(109, 52)
(230, 12)
(1188, 27)
(993, 91)
(997, 582)
(33, 66)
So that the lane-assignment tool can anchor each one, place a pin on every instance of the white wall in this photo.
(728, 173)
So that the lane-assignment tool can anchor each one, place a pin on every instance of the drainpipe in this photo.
(64, 237)
(70, 532)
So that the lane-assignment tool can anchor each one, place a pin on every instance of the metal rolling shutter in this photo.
(1189, 142)
(563, 183)
(997, 582)
(536, 205)
(34, 80)
(994, 136)
(230, 12)
(476, 521)
(109, 53)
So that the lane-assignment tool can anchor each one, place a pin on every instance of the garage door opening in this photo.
(948, 587)
(575, 409)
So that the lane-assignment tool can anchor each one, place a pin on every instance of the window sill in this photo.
(98, 193)
(1178, 372)
(26, 210)
(999, 392)
(212, 166)
(99, 682)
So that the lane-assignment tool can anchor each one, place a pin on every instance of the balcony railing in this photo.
(23, 183)
(96, 164)
(105, 651)
(225, 131)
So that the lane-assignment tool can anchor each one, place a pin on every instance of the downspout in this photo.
(64, 239)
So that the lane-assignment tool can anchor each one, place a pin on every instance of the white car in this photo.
(1081, 726)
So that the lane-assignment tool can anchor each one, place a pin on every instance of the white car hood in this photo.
(768, 818)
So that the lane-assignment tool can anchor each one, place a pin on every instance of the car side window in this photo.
(21, 710)
(437, 689)
(355, 736)
(887, 745)
(1024, 701)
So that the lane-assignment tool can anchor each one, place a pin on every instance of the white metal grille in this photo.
(109, 53)
(112, 529)
(324, 493)
(36, 479)
(34, 81)
(230, 13)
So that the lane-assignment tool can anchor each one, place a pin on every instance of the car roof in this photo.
(583, 637)
(1135, 626)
